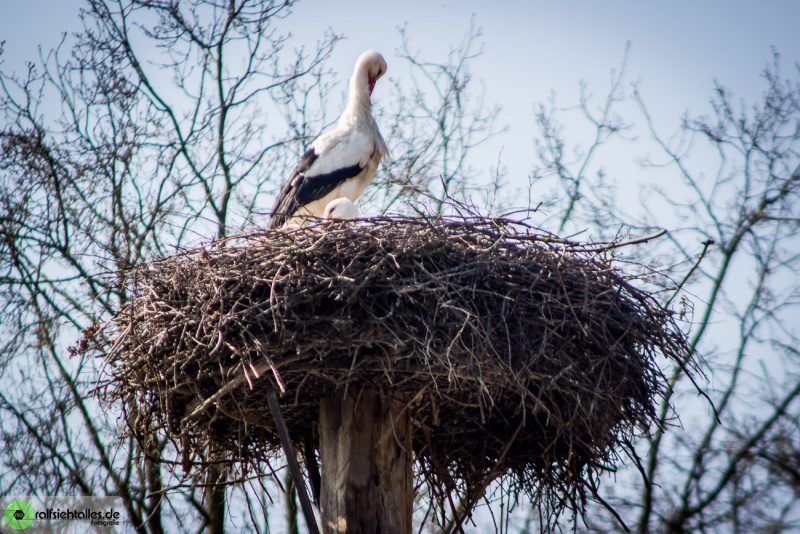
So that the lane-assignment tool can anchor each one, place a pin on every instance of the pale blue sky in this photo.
(531, 48)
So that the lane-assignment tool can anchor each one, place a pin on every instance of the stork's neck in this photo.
(359, 105)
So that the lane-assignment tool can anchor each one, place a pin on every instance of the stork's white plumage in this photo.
(341, 208)
(341, 162)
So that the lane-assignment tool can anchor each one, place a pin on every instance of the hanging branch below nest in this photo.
(291, 459)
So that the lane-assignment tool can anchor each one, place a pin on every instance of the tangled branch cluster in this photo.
(517, 354)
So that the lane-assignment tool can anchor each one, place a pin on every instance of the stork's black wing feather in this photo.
(315, 187)
(285, 200)
(302, 189)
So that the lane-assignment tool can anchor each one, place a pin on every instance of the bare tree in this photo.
(733, 204)
(436, 120)
(158, 125)
(142, 132)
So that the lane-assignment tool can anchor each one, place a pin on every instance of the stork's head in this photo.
(369, 67)
(341, 208)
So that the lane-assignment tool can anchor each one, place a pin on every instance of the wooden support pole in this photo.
(365, 451)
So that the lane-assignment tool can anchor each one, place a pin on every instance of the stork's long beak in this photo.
(371, 86)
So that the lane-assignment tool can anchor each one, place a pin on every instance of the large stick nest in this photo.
(515, 353)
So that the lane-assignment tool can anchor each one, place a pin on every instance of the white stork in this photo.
(341, 208)
(340, 162)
